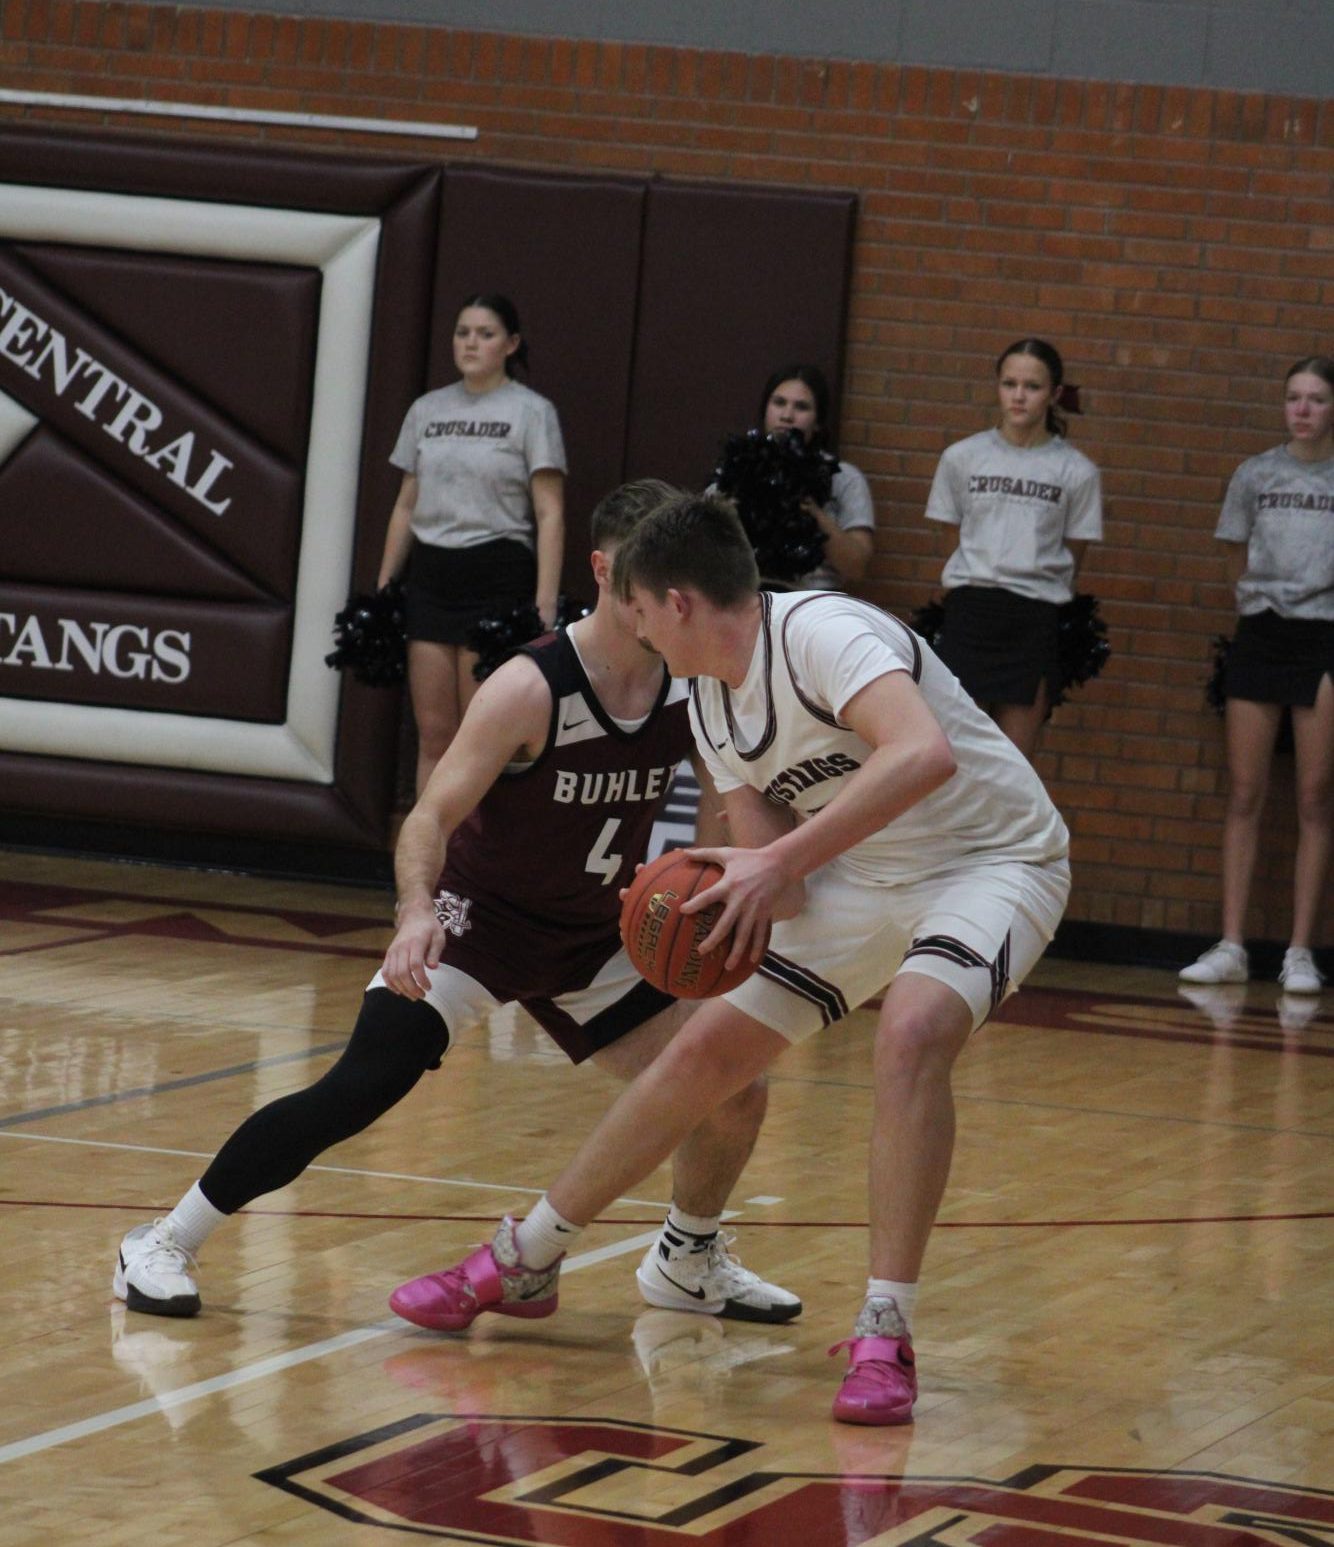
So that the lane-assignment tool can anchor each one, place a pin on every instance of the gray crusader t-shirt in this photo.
(1016, 508)
(1283, 510)
(474, 456)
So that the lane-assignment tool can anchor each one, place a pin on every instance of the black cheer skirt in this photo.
(1000, 645)
(1276, 660)
(450, 590)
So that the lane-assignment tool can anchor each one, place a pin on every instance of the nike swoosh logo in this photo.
(695, 1294)
(573, 725)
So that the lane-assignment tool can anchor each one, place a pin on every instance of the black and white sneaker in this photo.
(712, 1281)
(155, 1274)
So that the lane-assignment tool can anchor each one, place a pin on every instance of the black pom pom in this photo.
(769, 478)
(928, 621)
(493, 640)
(370, 637)
(1083, 645)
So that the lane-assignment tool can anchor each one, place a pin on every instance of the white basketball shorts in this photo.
(979, 929)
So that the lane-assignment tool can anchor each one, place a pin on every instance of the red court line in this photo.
(33, 897)
(748, 1222)
(89, 936)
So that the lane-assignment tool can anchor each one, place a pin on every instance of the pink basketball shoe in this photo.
(492, 1279)
(880, 1384)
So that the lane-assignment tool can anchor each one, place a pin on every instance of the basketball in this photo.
(663, 942)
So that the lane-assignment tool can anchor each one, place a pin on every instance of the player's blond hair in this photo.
(617, 514)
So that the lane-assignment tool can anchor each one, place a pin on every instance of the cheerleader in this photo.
(1278, 518)
(1026, 505)
(478, 525)
(796, 398)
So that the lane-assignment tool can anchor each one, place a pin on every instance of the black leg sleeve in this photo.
(394, 1042)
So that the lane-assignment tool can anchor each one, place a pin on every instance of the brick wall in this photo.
(1176, 243)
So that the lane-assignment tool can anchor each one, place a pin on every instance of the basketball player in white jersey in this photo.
(899, 842)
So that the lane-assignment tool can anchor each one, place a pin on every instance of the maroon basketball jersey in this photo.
(550, 845)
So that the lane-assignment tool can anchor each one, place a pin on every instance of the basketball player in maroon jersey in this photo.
(509, 870)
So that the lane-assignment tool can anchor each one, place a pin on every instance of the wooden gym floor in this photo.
(1124, 1334)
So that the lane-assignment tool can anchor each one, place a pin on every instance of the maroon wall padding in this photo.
(261, 490)
(196, 316)
(198, 169)
(132, 651)
(164, 800)
(653, 313)
(353, 812)
(109, 538)
(736, 282)
(565, 250)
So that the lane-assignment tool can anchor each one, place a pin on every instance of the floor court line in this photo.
(185, 1083)
(387, 1176)
(35, 1443)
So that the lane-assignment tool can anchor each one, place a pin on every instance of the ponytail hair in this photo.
(505, 309)
(1062, 397)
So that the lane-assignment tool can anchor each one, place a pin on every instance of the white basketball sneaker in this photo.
(1221, 963)
(1300, 975)
(155, 1274)
(713, 1282)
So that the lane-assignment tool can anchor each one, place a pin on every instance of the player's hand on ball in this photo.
(415, 948)
(754, 890)
(664, 943)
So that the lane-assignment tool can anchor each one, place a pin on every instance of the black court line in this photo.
(18, 1118)
(79, 1205)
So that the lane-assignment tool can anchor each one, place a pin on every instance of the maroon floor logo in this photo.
(552, 1482)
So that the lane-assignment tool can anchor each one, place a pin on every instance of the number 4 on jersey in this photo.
(600, 861)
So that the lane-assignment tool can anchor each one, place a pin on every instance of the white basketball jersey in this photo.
(780, 733)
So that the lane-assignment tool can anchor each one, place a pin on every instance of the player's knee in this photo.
(705, 1062)
(916, 1040)
(391, 1031)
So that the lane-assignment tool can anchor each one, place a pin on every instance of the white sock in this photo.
(873, 1321)
(193, 1220)
(544, 1235)
(683, 1233)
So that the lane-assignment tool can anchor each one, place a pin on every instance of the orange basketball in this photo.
(663, 942)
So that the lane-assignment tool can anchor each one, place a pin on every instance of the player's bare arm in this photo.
(711, 821)
(910, 758)
(506, 722)
(753, 823)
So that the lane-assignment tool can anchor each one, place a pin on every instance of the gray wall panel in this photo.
(1097, 41)
(1296, 48)
(1258, 45)
(1010, 35)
